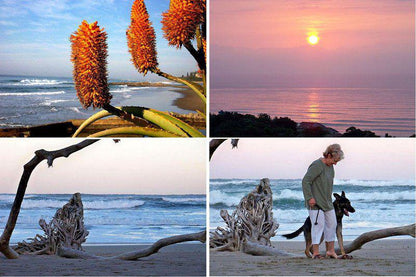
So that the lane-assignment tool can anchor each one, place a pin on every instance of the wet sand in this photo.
(181, 259)
(380, 257)
(189, 100)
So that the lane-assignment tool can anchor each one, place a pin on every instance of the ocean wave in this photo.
(7, 198)
(75, 109)
(31, 93)
(374, 183)
(380, 196)
(39, 82)
(292, 197)
(89, 205)
(125, 89)
(233, 182)
(219, 197)
(289, 194)
(183, 200)
(50, 102)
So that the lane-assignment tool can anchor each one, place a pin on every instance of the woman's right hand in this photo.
(312, 202)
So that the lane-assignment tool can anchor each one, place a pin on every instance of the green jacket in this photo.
(318, 183)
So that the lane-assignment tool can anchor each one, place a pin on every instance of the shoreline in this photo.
(187, 103)
(379, 257)
(179, 259)
(188, 100)
(236, 124)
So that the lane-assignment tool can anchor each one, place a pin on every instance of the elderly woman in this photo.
(317, 188)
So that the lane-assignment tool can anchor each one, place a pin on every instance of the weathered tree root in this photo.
(252, 221)
(65, 229)
(40, 155)
(154, 248)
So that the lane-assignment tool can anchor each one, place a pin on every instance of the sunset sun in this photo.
(313, 39)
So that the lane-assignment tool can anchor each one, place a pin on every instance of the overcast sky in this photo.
(289, 158)
(363, 43)
(138, 166)
(35, 37)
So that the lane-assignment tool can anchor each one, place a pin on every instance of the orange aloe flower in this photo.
(89, 53)
(141, 39)
(182, 19)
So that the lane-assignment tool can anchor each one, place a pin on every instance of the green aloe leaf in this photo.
(161, 119)
(135, 130)
(158, 118)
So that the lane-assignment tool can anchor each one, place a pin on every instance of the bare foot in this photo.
(332, 255)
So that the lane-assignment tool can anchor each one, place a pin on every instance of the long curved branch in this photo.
(154, 248)
(378, 234)
(40, 155)
(215, 143)
(198, 89)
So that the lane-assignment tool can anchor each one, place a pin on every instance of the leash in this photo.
(316, 219)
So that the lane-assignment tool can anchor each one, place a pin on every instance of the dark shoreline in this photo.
(234, 124)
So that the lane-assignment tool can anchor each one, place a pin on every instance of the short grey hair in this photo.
(335, 151)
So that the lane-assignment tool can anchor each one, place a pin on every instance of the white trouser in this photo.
(327, 223)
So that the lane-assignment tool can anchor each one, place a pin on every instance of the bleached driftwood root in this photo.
(378, 234)
(251, 222)
(66, 229)
(256, 249)
(40, 155)
(154, 248)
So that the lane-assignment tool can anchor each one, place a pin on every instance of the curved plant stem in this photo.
(197, 54)
(136, 130)
(198, 89)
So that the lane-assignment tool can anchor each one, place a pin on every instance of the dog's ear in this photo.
(343, 194)
(337, 196)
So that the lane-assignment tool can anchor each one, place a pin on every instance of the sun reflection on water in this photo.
(313, 107)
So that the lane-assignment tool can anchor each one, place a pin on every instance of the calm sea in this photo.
(124, 219)
(379, 110)
(378, 204)
(28, 101)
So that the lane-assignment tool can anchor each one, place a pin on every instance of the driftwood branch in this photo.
(215, 143)
(256, 249)
(40, 155)
(378, 234)
(154, 248)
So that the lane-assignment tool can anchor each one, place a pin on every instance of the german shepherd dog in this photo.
(342, 206)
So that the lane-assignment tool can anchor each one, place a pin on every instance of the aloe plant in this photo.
(183, 23)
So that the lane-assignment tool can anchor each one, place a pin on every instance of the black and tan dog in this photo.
(341, 206)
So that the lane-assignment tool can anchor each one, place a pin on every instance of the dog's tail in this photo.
(294, 234)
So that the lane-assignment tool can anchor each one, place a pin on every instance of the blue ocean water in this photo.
(378, 204)
(28, 101)
(379, 110)
(113, 219)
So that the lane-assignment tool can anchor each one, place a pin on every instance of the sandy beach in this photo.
(180, 259)
(380, 257)
(189, 100)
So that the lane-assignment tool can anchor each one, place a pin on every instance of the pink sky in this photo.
(251, 41)
(132, 166)
(289, 158)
